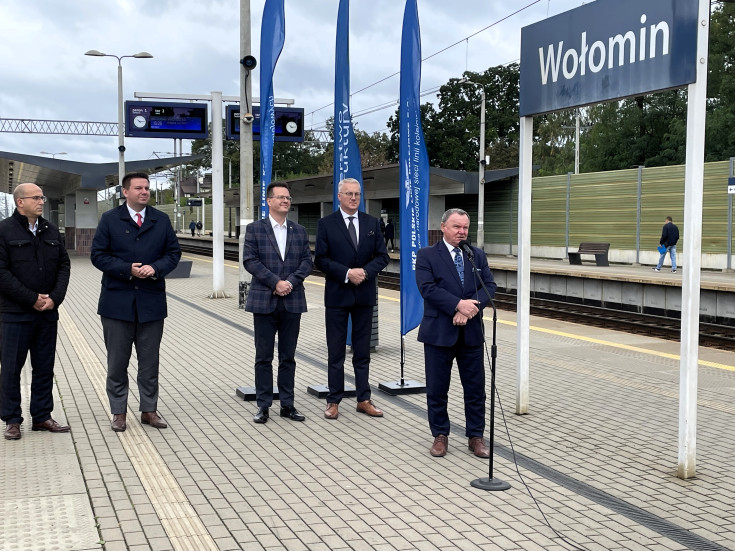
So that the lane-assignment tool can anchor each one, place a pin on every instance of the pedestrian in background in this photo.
(669, 239)
(192, 227)
(390, 233)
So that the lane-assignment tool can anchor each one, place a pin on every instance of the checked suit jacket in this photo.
(262, 259)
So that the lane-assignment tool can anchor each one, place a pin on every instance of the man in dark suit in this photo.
(351, 252)
(277, 254)
(452, 329)
(34, 276)
(134, 247)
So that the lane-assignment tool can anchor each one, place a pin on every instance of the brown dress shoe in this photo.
(332, 411)
(441, 443)
(153, 419)
(118, 422)
(12, 431)
(51, 426)
(478, 447)
(369, 408)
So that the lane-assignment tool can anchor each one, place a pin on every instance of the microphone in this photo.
(465, 246)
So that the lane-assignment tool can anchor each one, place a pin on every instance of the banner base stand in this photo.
(322, 391)
(490, 484)
(395, 388)
(247, 393)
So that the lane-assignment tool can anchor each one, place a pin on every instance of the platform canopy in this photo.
(59, 177)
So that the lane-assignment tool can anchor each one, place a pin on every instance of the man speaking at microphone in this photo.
(452, 329)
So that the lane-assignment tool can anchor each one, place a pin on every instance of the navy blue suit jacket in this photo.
(335, 254)
(117, 244)
(441, 288)
(261, 257)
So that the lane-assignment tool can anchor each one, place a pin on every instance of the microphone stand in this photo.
(488, 483)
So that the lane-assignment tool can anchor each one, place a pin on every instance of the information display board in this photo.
(146, 119)
(289, 123)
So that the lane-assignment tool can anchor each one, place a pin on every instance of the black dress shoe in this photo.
(292, 413)
(261, 416)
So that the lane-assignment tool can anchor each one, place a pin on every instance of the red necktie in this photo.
(140, 219)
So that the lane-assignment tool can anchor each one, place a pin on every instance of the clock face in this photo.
(291, 127)
(139, 121)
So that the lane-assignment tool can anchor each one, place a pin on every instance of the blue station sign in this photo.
(605, 50)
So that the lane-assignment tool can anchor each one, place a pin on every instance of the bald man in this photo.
(34, 275)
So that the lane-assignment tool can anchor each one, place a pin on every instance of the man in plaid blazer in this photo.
(277, 254)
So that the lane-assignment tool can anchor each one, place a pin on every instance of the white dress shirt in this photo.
(133, 213)
(281, 232)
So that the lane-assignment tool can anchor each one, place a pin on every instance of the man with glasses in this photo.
(34, 275)
(276, 252)
(351, 252)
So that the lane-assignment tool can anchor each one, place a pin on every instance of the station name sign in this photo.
(289, 123)
(609, 49)
(145, 119)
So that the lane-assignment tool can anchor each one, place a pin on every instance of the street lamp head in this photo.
(95, 53)
(142, 55)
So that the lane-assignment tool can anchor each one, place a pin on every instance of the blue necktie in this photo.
(459, 263)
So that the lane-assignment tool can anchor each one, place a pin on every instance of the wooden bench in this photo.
(599, 250)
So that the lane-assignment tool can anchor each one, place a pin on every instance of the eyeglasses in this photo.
(37, 198)
(350, 194)
(281, 198)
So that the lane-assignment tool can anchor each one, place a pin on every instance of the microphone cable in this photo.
(465, 246)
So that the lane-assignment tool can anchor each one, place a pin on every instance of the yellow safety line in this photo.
(178, 517)
(618, 345)
(563, 334)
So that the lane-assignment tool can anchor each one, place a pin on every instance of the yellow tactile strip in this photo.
(182, 524)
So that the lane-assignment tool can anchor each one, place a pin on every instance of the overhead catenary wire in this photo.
(465, 39)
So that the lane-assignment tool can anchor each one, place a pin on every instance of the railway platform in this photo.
(596, 456)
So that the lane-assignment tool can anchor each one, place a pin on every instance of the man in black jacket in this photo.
(669, 239)
(134, 247)
(34, 275)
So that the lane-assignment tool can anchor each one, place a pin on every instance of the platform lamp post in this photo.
(120, 121)
(53, 155)
(480, 242)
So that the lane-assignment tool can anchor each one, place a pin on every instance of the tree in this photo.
(290, 159)
(646, 130)
(553, 145)
(230, 151)
(452, 131)
(375, 149)
(720, 142)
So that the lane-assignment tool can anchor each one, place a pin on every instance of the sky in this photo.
(195, 44)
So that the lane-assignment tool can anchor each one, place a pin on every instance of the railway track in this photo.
(711, 335)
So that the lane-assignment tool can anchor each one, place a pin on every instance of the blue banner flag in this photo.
(272, 36)
(347, 162)
(414, 170)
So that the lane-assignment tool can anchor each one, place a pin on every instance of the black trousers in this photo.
(438, 362)
(37, 336)
(287, 325)
(119, 339)
(336, 326)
